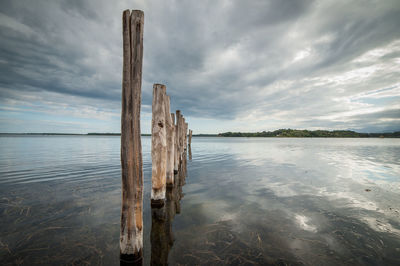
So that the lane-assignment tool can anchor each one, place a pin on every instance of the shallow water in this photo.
(244, 201)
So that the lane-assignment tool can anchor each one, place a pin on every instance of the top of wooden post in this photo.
(161, 87)
(136, 11)
(134, 14)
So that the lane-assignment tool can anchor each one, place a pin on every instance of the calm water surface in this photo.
(244, 201)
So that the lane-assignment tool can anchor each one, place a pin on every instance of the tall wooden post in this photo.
(190, 136)
(170, 143)
(175, 144)
(175, 151)
(177, 138)
(158, 145)
(173, 118)
(131, 234)
(182, 137)
(186, 136)
(190, 152)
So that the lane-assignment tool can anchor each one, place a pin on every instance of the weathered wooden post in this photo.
(186, 136)
(190, 144)
(158, 146)
(173, 118)
(177, 138)
(175, 145)
(190, 152)
(170, 127)
(131, 234)
(182, 137)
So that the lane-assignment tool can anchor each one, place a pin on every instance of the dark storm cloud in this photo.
(40, 51)
(282, 63)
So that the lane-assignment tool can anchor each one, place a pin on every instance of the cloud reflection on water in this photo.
(260, 201)
(320, 186)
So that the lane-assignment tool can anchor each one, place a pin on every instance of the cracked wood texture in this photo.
(131, 235)
(158, 144)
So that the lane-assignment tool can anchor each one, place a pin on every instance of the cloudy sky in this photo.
(228, 65)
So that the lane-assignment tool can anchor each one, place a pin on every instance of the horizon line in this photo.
(118, 133)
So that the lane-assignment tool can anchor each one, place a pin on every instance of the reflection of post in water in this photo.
(158, 237)
(161, 235)
(182, 182)
(183, 169)
(130, 261)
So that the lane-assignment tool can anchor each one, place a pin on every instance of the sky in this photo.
(228, 65)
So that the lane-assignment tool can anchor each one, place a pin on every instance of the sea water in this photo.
(242, 201)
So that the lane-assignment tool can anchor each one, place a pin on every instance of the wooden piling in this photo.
(186, 135)
(170, 128)
(175, 145)
(158, 145)
(182, 137)
(131, 233)
(190, 136)
(177, 138)
(173, 118)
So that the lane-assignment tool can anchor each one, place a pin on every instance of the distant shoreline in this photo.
(296, 133)
(66, 134)
(281, 133)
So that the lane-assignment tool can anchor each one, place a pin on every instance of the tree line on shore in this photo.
(311, 133)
